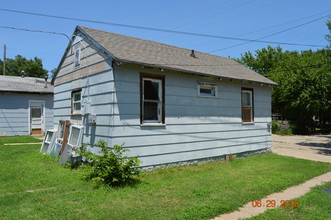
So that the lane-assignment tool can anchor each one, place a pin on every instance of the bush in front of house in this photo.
(111, 167)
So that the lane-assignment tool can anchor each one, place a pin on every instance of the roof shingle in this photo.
(134, 50)
(26, 84)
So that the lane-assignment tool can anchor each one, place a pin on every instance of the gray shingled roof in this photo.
(25, 85)
(134, 50)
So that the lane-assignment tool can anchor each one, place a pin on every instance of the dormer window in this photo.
(77, 57)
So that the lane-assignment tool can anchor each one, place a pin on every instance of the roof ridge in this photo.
(128, 49)
(156, 42)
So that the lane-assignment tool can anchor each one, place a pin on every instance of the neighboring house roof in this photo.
(127, 49)
(24, 85)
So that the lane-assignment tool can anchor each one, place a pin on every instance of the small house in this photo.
(164, 103)
(26, 105)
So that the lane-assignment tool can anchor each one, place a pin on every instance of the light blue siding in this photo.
(14, 113)
(195, 127)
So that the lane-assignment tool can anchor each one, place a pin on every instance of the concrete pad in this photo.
(310, 147)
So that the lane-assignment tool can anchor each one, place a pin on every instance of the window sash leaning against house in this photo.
(152, 99)
(247, 105)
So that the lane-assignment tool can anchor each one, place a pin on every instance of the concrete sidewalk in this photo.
(289, 194)
(316, 148)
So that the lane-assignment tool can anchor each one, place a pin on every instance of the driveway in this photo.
(312, 147)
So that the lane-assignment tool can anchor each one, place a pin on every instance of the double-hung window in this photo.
(247, 105)
(151, 99)
(76, 102)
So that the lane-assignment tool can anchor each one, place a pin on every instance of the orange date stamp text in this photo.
(273, 203)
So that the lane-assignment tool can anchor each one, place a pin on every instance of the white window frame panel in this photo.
(207, 85)
(77, 58)
(160, 101)
(73, 102)
(79, 137)
(60, 130)
(57, 146)
(48, 142)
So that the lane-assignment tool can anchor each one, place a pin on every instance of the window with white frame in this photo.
(207, 89)
(75, 135)
(77, 57)
(247, 105)
(152, 99)
(76, 102)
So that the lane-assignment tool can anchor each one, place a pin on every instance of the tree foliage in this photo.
(32, 67)
(328, 36)
(304, 79)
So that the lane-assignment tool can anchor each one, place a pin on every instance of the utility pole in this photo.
(4, 59)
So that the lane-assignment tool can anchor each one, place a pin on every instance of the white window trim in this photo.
(207, 85)
(48, 142)
(79, 138)
(250, 92)
(160, 102)
(73, 102)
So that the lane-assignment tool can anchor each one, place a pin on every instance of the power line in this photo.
(279, 32)
(270, 27)
(38, 31)
(158, 29)
(301, 67)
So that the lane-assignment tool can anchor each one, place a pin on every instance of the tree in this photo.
(32, 67)
(304, 80)
(263, 61)
(53, 71)
(328, 36)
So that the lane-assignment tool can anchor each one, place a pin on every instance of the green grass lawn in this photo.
(314, 205)
(18, 139)
(33, 185)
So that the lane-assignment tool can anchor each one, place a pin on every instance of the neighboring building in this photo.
(166, 104)
(26, 106)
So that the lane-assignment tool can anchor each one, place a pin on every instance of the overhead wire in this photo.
(273, 34)
(39, 31)
(301, 67)
(158, 29)
(269, 27)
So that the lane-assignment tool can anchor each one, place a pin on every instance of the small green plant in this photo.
(276, 129)
(111, 167)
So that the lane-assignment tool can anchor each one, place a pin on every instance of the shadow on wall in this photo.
(89, 131)
(8, 125)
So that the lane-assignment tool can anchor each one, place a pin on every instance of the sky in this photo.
(287, 21)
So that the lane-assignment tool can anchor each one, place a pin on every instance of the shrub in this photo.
(111, 167)
(276, 129)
